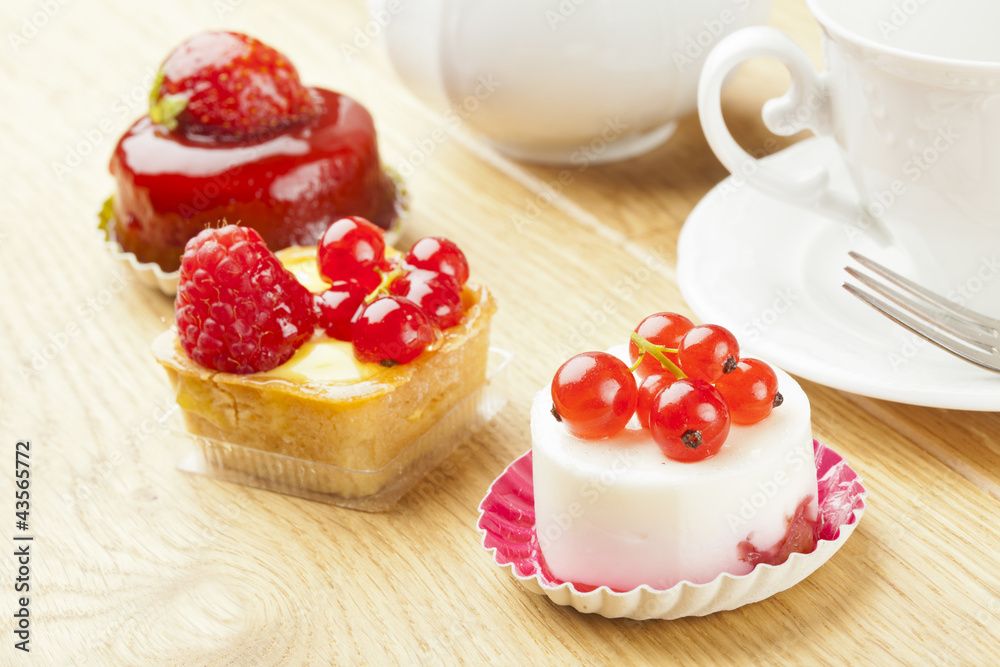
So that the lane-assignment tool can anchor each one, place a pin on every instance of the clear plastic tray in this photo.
(369, 490)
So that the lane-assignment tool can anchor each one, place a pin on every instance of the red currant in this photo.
(707, 352)
(437, 294)
(388, 264)
(338, 306)
(594, 395)
(664, 329)
(369, 279)
(648, 389)
(689, 420)
(750, 390)
(439, 255)
(351, 248)
(391, 330)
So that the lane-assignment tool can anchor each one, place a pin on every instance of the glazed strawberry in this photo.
(237, 309)
(278, 167)
(228, 86)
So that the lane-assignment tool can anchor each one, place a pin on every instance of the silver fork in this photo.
(963, 332)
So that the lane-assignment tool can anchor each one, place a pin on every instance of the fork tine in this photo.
(988, 325)
(929, 330)
(958, 327)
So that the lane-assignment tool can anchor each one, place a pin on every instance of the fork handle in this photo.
(806, 105)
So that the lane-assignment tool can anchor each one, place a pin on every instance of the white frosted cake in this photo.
(617, 512)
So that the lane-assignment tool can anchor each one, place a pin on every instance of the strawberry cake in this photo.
(232, 134)
(682, 470)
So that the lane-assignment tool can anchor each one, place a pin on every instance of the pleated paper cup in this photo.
(507, 521)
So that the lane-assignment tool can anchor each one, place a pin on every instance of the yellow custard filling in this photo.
(324, 360)
(301, 261)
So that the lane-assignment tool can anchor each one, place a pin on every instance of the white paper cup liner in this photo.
(148, 273)
(507, 521)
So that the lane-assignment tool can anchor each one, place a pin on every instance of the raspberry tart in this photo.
(233, 134)
(342, 355)
(671, 459)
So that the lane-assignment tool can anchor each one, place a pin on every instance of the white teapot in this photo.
(560, 81)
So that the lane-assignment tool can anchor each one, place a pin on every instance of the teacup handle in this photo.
(805, 105)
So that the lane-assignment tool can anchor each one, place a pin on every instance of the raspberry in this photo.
(229, 86)
(237, 309)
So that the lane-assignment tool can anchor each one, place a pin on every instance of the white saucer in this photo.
(772, 273)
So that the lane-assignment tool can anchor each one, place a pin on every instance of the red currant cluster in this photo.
(687, 385)
(389, 306)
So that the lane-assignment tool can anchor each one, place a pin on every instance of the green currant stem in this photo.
(383, 285)
(638, 360)
(658, 352)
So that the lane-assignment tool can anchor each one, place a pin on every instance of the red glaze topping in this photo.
(289, 187)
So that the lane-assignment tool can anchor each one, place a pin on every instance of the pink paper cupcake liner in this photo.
(507, 521)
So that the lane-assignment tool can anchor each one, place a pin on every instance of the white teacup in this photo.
(560, 81)
(911, 94)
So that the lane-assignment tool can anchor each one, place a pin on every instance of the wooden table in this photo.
(134, 562)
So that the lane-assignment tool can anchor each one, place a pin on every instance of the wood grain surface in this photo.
(134, 562)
